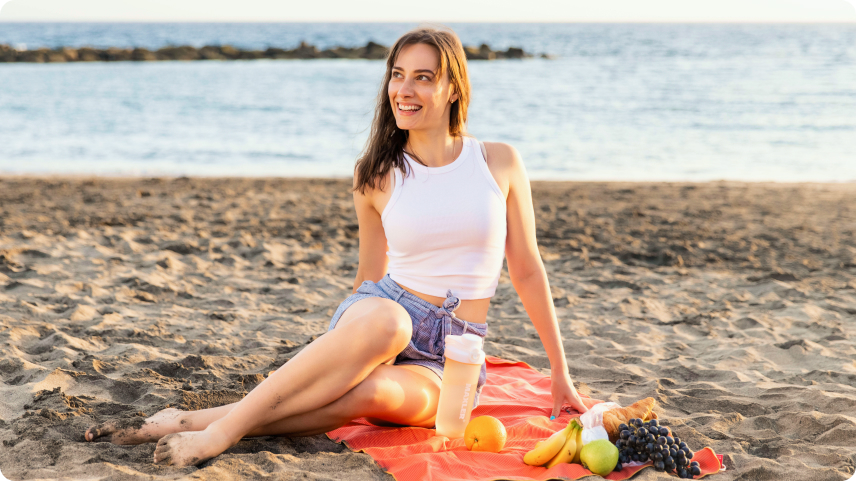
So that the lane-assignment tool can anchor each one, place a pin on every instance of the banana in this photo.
(546, 449)
(569, 450)
(579, 445)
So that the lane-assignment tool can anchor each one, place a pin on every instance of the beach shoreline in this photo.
(733, 304)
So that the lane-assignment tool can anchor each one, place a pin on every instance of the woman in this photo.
(437, 214)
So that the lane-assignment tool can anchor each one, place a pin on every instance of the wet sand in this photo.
(734, 305)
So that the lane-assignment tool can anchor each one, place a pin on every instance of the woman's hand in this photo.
(564, 392)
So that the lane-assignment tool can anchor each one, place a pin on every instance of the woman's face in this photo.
(420, 99)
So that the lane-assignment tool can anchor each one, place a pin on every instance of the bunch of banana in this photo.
(563, 446)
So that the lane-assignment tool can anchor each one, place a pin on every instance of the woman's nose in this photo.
(406, 88)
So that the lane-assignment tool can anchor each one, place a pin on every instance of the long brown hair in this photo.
(385, 147)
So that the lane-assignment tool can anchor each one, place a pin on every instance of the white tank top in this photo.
(445, 227)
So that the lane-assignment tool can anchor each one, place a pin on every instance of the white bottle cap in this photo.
(466, 349)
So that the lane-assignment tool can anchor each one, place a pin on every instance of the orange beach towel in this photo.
(517, 395)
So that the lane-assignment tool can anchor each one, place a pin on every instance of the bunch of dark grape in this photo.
(648, 441)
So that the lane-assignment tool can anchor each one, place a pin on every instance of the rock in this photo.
(69, 53)
(8, 54)
(251, 54)
(514, 52)
(482, 53)
(55, 56)
(343, 52)
(375, 51)
(184, 52)
(34, 56)
(230, 52)
(279, 53)
(305, 51)
(87, 54)
(143, 55)
(209, 52)
(486, 52)
(371, 51)
(115, 54)
(355, 53)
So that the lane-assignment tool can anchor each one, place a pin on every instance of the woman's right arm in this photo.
(373, 259)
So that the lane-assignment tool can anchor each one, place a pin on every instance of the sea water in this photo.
(618, 101)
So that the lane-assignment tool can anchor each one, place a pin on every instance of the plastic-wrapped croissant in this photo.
(643, 409)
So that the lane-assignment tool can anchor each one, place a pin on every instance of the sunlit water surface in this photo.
(619, 102)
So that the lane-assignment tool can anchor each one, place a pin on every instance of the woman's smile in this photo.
(408, 108)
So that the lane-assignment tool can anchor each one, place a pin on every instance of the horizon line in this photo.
(557, 22)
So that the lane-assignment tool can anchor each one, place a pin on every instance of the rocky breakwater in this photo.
(371, 51)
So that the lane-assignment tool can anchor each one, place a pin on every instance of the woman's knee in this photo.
(367, 398)
(372, 398)
(381, 326)
(391, 326)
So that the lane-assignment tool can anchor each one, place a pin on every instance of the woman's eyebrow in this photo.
(417, 71)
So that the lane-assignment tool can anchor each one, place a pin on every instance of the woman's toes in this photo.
(161, 452)
(95, 432)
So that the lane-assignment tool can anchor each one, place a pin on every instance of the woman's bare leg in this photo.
(405, 395)
(380, 397)
(321, 373)
(171, 421)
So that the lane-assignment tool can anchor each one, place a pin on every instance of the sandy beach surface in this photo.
(734, 305)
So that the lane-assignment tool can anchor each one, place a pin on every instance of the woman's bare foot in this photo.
(191, 448)
(138, 430)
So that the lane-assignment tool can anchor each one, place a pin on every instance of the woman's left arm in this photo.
(527, 272)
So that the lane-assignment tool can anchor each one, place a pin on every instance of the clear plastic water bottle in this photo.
(464, 358)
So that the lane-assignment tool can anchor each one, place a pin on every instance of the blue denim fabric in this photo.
(431, 324)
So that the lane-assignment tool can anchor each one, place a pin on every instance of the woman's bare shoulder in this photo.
(503, 155)
(505, 164)
(375, 197)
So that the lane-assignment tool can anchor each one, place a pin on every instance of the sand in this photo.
(734, 305)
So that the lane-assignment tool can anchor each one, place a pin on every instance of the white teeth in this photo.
(409, 107)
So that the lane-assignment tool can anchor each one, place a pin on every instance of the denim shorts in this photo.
(431, 324)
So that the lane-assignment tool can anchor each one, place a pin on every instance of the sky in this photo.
(802, 11)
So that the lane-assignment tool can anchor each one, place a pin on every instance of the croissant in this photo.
(642, 409)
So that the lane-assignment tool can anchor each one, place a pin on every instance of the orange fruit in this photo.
(485, 433)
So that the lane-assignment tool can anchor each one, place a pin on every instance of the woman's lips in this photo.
(413, 109)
